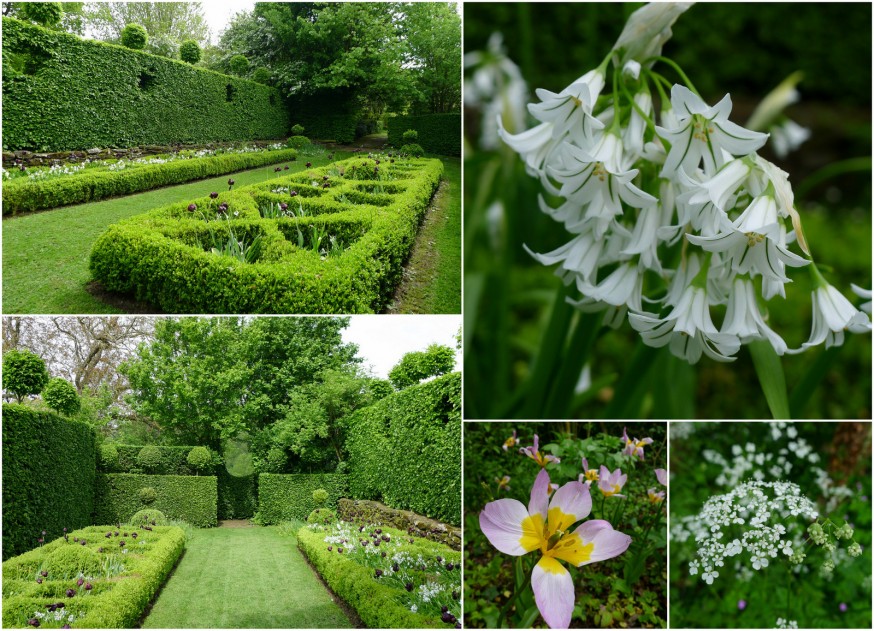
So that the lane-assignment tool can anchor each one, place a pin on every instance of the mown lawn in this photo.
(255, 578)
(45, 254)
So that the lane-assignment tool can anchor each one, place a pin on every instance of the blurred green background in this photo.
(744, 49)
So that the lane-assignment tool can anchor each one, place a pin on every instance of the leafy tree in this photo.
(47, 14)
(60, 395)
(436, 360)
(167, 23)
(134, 36)
(24, 373)
(261, 75)
(432, 32)
(189, 51)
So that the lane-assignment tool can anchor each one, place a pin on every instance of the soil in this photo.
(235, 523)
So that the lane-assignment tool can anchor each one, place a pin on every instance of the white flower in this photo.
(832, 315)
(647, 29)
(863, 293)
(570, 111)
(787, 137)
(709, 576)
(743, 319)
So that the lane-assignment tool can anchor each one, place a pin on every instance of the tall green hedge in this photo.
(63, 92)
(282, 497)
(193, 499)
(406, 450)
(329, 116)
(48, 476)
(438, 133)
(173, 460)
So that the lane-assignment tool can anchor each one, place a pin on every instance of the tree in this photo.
(71, 20)
(189, 51)
(167, 23)
(46, 14)
(239, 64)
(432, 32)
(24, 374)
(60, 395)
(414, 367)
(134, 36)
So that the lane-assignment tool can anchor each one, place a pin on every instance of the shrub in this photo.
(410, 136)
(76, 94)
(24, 373)
(323, 516)
(200, 459)
(24, 195)
(60, 395)
(134, 36)
(193, 499)
(376, 221)
(173, 460)
(48, 476)
(286, 497)
(298, 142)
(67, 561)
(189, 51)
(239, 64)
(438, 133)
(414, 367)
(406, 449)
(107, 458)
(47, 14)
(147, 494)
(261, 75)
(297, 130)
(149, 459)
(412, 150)
(320, 496)
(148, 516)
(276, 461)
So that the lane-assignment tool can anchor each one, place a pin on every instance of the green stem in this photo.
(505, 610)
(679, 71)
(649, 122)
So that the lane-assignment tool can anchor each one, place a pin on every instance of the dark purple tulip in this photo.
(134, 535)
(88, 587)
(66, 626)
(454, 595)
(83, 542)
(286, 168)
(44, 573)
(108, 535)
(125, 534)
(80, 581)
(392, 160)
(340, 550)
(408, 587)
(71, 593)
(325, 177)
(378, 531)
(439, 559)
(33, 622)
(395, 568)
(361, 529)
(65, 530)
(38, 580)
(52, 607)
(277, 169)
(115, 533)
(363, 543)
(383, 555)
(386, 537)
(121, 543)
(450, 567)
(378, 573)
(446, 617)
(22, 168)
(330, 548)
(283, 206)
(230, 182)
(377, 161)
(457, 624)
(444, 609)
(326, 185)
(376, 543)
(411, 541)
(213, 195)
(153, 521)
(293, 193)
(309, 164)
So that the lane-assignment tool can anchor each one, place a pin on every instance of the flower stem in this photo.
(505, 610)
(673, 64)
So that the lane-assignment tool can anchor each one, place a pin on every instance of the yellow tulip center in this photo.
(553, 539)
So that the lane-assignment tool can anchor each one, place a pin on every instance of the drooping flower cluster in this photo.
(673, 213)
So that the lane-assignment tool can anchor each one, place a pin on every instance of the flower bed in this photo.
(96, 577)
(311, 242)
(76, 184)
(391, 579)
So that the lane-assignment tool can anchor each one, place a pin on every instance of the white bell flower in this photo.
(744, 320)
(832, 315)
(570, 111)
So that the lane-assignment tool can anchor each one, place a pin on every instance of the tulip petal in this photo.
(502, 523)
(553, 592)
(539, 502)
(571, 503)
(606, 542)
(662, 476)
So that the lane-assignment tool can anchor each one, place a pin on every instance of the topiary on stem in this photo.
(189, 51)
(320, 496)
(200, 459)
(24, 373)
(239, 64)
(134, 36)
(149, 459)
(60, 395)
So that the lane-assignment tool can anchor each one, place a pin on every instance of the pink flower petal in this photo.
(539, 502)
(553, 592)
(572, 499)
(608, 543)
(501, 523)
(589, 529)
(662, 476)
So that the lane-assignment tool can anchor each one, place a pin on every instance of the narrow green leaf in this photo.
(629, 391)
(562, 391)
(529, 617)
(770, 372)
(802, 392)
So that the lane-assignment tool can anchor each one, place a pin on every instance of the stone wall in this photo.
(416, 525)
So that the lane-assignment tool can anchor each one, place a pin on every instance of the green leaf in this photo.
(771, 378)
(805, 388)
(529, 617)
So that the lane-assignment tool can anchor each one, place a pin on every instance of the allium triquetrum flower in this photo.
(611, 483)
(533, 452)
(634, 447)
(546, 526)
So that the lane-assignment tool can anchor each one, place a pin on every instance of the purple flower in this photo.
(376, 542)
(213, 195)
(377, 161)
(293, 193)
(65, 530)
(454, 595)
(392, 160)
(741, 604)
(309, 164)
(83, 542)
(383, 555)
(377, 573)
(121, 543)
(66, 626)
(191, 209)
(134, 535)
(44, 573)
(340, 550)
(80, 581)
(283, 206)
(38, 580)
(843, 607)
(277, 169)
(395, 568)
(88, 587)
(447, 617)
(70, 593)
(286, 168)
(125, 535)
(439, 559)
(450, 566)
(108, 535)
(444, 609)
(222, 208)
(408, 587)
(330, 548)
(40, 540)
(33, 622)
(325, 178)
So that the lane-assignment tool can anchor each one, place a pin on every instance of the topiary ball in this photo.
(200, 459)
(107, 458)
(297, 142)
(24, 373)
(147, 495)
(322, 516)
(147, 516)
(320, 496)
(413, 150)
(60, 395)
(239, 64)
(410, 136)
(261, 75)
(189, 51)
(297, 130)
(134, 36)
(69, 560)
(149, 458)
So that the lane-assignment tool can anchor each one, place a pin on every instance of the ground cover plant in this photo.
(770, 525)
(391, 578)
(95, 577)
(678, 242)
(327, 240)
(610, 474)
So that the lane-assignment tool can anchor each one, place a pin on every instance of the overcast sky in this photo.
(383, 339)
(218, 14)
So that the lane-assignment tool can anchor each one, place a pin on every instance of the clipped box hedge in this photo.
(63, 92)
(48, 476)
(173, 460)
(438, 133)
(193, 499)
(116, 602)
(23, 195)
(282, 497)
(405, 449)
(162, 256)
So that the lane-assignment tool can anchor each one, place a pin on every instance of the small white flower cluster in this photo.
(673, 209)
(782, 623)
(56, 170)
(429, 591)
(58, 615)
(760, 510)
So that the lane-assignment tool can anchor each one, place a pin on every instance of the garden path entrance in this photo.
(244, 578)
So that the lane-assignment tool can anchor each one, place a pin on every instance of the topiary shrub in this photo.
(60, 395)
(134, 36)
(148, 516)
(417, 366)
(410, 136)
(239, 64)
(200, 459)
(413, 150)
(322, 516)
(298, 142)
(69, 560)
(189, 51)
(24, 373)
(297, 130)
(107, 458)
(149, 458)
(44, 13)
(147, 495)
(320, 496)
(261, 75)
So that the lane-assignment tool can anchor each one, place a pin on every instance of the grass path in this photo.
(432, 277)
(235, 578)
(45, 254)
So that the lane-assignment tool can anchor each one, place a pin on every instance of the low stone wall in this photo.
(417, 525)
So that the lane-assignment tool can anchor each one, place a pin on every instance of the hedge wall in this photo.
(48, 476)
(406, 450)
(282, 497)
(333, 116)
(189, 498)
(173, 460)
(163, 257)
(438, 133)
(237, 496)
(63, 92)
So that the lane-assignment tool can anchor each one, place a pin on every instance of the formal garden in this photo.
(226, 472)
(155, 171)
(565, 525)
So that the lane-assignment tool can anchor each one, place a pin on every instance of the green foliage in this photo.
(46, 14)
(166, 460)
(277, 459)
(405, 449)
(24, 195)
(193, 499)
(200, 459)
(236, 495)
(261, 75)
(77, 94)
(123, 585)
(380, 389)
(107, 458)
(297, 130)
(297, 142)
(410, 136)
(412, 150)
(147, 516)
(24, 373)
(134, 36)
(320, 496)
(285, 497)
(157, 256)
(239, 64)
(60, 395)
(323, 516)
(147, 494)
(436, 360)
(48, 476)
(149, 459)
(189, 51)
(331, 115)
(438, 133)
